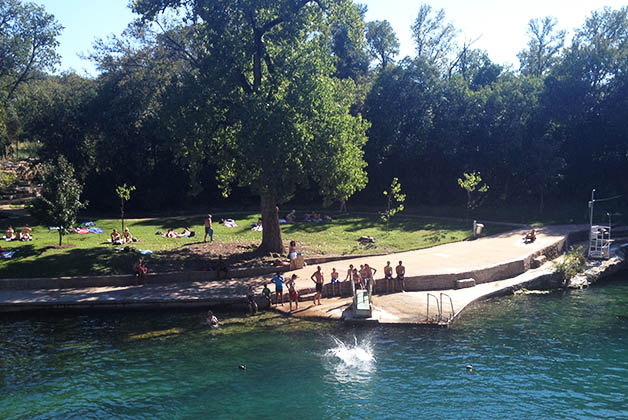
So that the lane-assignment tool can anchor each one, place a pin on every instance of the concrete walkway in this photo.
(490, 261)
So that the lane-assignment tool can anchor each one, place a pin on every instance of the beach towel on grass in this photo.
(95, 230)
(81, 231)
(145, 251)
(87, 224)
(7, 255)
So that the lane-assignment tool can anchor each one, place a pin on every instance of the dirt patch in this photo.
(201, 255)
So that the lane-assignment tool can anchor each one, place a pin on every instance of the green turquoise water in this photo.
(562, 355)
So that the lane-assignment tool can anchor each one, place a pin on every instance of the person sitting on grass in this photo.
(171, 234)
(116, 239)
(530, 237)
(127, 238)
(186, 233)
(26, 234)
(10, 234)
(140, 270)
(291, 217)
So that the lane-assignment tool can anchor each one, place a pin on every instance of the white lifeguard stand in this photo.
(599, 236)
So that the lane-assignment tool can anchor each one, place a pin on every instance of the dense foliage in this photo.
(276, 99)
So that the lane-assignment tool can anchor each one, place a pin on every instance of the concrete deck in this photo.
(412, 307)
(496, 263)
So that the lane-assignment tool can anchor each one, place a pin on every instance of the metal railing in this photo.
(451, 302)
(438, 306)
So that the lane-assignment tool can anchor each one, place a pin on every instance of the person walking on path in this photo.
(209, 229)
(317, 278)
(401, 273)
(279, 282)
(388, 277)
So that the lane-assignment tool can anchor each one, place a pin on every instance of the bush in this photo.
(6, 180)
(571, 264)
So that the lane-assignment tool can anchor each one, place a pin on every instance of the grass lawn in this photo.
(92, 254)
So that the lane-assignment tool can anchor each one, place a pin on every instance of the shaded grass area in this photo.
(91, 254)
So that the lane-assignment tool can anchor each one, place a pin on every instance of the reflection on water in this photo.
(552, 356)
(353, 362)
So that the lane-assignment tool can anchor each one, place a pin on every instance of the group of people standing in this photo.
(363, 278)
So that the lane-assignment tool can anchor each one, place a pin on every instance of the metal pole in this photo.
(591, 207)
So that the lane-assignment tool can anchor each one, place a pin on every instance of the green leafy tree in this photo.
(28, 42)
(382, 42)
(59, 202)
(544, 46)
(394, 202)
(435, 38)
(124, 193)
(475, 189)
(280, 119)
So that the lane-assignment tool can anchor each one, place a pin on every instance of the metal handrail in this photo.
(451, 302)
(440, 313)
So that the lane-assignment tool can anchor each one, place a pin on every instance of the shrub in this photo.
(571, 264)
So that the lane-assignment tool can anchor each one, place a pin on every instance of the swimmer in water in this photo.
(212, 321)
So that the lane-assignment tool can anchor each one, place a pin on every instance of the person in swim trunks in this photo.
(335, 283)
(388, 277)
(401, 274)
(279, 282)
(318, 280)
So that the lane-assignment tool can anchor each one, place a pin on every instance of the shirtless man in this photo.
(357, 280)
(208, 229)
(335, 282)
(401, 273)
(349, 273)
(115, 237)
(370, 277)
(317, 278)
(388, 277)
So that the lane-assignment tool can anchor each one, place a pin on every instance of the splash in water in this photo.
(356, 354)
(351, 362)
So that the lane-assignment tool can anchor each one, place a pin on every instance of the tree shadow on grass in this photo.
(71, 262)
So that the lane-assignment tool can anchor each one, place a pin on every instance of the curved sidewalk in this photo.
(486, 260)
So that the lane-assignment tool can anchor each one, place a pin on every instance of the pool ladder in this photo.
(439, 307)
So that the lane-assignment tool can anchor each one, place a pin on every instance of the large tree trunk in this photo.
(271, 233)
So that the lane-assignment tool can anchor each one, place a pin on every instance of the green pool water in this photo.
(562, 355)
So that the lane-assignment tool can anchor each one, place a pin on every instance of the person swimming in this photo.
(212, 321)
